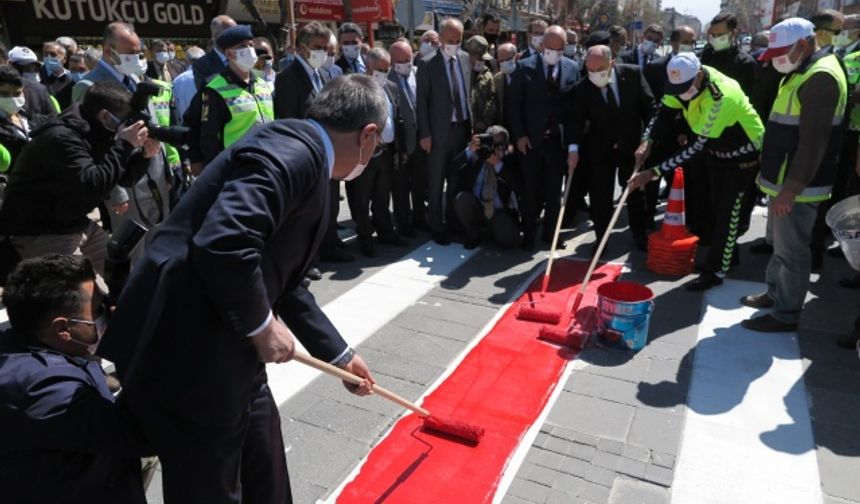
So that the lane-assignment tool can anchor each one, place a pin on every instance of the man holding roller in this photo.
(728, 131)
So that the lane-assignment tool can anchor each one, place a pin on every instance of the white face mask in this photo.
(12, 104)
(648, 47)
(129, 64)
(171, 55)
(317, 58)
(451, 50)
(479, 66)
(685, 48)
(100, 326)
(141, 67)
(508, 67)
(31, 76)
(403, 69)
(352, 51)
(570, 50)
(162, 57)
(426, 49)
(537, 40)
(689, 94)
(328, 62)
(784, 65)
(359, 168)
(551, 57)
(722, 42)
(600, 79)
(245, 58)
(380, 77)
(842, 40)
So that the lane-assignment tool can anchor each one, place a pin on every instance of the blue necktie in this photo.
(317, 81)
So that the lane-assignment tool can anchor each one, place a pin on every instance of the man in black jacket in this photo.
(643, 54)
(67, 169)
(723, 53)
(215, 61)
(489, 184)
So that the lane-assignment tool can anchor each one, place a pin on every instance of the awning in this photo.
(363, 11)
(444, 7)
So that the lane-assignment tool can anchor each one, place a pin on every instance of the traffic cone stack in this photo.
(672, 250)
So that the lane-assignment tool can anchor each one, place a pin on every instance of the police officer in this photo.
(232, 103)
(727, 131)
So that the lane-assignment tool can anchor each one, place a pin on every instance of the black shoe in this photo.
(340, 226)
(528, 244)
(407, 231)
(441, 238)
(758, 300)
(340, 244)
(420, 224)
(768, 324)
(306, 282)
(762, 248)
(850, 282)
(817, 261)
(471, 243)
(367, 247)
(393, 239)
(334, 254)
(314, 274)
(835, 252)
(704, 282)
(546, 238)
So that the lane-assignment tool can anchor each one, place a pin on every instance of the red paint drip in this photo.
(502, 385)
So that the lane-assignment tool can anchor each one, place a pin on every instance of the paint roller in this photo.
(444, 425)
(576, 334)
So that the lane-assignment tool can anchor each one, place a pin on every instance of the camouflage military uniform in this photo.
(483, 101)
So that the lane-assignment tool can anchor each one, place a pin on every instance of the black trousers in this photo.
(443, 167)
(729, 182)
(846, 184)
(543, 172)
(331, 238)
(245, 463)
(601, 193)
(503, 224)
(697, 191)
(410, 183)
(372, 192)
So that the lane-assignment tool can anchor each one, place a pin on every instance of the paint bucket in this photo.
(844, 219)
(624, 310)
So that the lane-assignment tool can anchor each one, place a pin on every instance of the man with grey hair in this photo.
(68, 44)
(184, 88)
(215, 60)
(257, 216)
(429, 45)
(331, 56)
(506, 55)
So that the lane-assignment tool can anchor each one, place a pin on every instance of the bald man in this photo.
(215, 61)
(538, 112)
(429, 45)
(506, 55)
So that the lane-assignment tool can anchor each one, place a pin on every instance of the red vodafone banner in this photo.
(363, 11)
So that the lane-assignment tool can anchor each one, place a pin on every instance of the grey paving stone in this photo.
(662, 350)
(330, 388)
(510, 499)
(542, 475)
(387, 364)
(611, 446)
(345, 419)
(319, 456)
(631, 467)
(626, 491)
(838, 460)
(547, 458)
(567, 483)
(558, 445)
(659, 475)
(581, 451)
(575, 467)
(542, 439)
(592, 492)
(618, 365)
(420, 347)
(592, 416)
(636, 452)
(600, 476)
(587, 439)
(438, 308)
(304, 491)
(657, 430)
(605, 460)
(528, 490)
(603, 387)
(444, 328)
(559, 497)
(663, 459)
(562, 432)
(835, 500)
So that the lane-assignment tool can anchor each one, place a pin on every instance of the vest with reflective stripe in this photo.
(783, 134)
(246, 110)
(161, 105)
(852, 66)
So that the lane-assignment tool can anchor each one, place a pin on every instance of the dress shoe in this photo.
(471, 243)
(849, 341)
(340, 244)
(334, 254)
(441, 238)
(340, 226)
(314, 274)
(528, 244)
(407, 231)
(835, 252)
(762, 248)
(392, 239)
(768, 324)
(852, 282)
(306, 282)
(367, 248)
(762, 300)
(705, 281)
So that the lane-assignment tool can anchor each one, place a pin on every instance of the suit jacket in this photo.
(235, 247)
(508, 180)
(207, 67)
(599, 132)
(504, 97)
(391, 91)
(435, 102)
(407, 119)
(655, 75)
(294, 91)
(344, 64)
(532, 106)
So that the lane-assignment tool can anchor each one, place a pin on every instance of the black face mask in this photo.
(491, 38)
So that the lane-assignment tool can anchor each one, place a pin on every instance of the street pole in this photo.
(411, 4)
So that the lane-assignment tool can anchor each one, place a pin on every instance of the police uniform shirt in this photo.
(215, 114)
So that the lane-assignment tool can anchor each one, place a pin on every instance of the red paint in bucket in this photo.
(627, 292)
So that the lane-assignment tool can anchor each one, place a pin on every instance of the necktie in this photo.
(128, 83)
(455, 92)
(409, 93)
(317, 81)
(610, 99)
(488, 192)
(550, 79)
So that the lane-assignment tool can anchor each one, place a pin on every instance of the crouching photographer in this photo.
(68, 168)
(489, 184)
(64, 437)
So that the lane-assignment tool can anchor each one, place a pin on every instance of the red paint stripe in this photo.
(503, 385)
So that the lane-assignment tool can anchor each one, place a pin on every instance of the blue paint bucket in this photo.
(624, 310)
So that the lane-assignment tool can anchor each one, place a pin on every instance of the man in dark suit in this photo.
(643, 54)
(54, 75)
(507, 57)
(444, 125)
(215, 61)
(217, 295)
(350, 38)
(535, 34)
(410, 177)
(610, 109)
(296, 87)
(161, 67)
(540, 107)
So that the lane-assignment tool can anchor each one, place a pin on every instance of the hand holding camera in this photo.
(135, 133)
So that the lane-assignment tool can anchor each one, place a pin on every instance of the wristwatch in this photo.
(345, 359)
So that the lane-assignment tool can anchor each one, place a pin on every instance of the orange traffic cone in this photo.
(672, 250)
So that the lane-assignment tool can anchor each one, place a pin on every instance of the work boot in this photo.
(705, 281)
(762, 300)
(768, 324)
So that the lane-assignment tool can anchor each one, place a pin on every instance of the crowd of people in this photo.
(229, 168)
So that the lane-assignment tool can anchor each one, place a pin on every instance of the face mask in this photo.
(648, 47)
(508, 67)
(352, 51)
(171, 55)
(479, 66)
(328, 62)
(551, 57)
(267, 65)
(840, 41)
(100, 326)
(784, 65)
(685, 48)
(426, 49)
(141, 67)
(52, 65)
(245, 58)
(76, 76)
(403, 69)
(359, 168)
(599, 79)
(112, 124)
(570, 50)
(31, 76)
(689, 94)
(317, 58)
(380, 77)
(451, 50)
(537, 40)
(745, 48)
(162, 57)
(129, 64)
(491, 38)
(12, 104)
(722, 42)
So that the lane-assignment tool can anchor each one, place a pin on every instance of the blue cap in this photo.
(233, 36)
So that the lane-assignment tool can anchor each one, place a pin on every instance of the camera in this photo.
(485, 148)
(176, 136)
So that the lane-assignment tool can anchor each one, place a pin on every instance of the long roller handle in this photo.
(344, 375)
(545, 283)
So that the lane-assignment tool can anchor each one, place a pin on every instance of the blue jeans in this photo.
(788, 271)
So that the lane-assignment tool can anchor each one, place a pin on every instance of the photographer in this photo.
(67, 169)
(489, 184)
(64, 438)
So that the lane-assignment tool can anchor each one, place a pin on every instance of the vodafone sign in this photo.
(363, 11)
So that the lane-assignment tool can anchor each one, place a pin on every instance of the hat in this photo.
(234, 35)
(784, 35)
(682, 70)
(478, 46)
(597, 38)
(21, 55)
